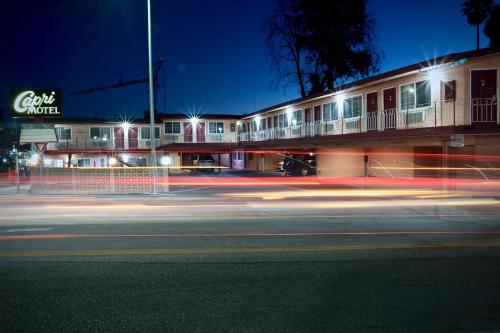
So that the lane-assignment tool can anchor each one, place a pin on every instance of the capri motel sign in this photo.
(37, 103)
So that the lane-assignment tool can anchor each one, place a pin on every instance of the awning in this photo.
(37, 133)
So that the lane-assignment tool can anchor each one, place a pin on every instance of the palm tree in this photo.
(477, 12)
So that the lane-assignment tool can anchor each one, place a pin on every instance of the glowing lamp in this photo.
(125, 125)
(165, 160)
(340, 99)
(194, 120)
(435, 75)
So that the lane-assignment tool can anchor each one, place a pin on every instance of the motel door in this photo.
(483, 95)
(307, 121)
(200, 132)
(389, 115)
(133, 142)
(371, 109)
(188, 132)
(118, 137)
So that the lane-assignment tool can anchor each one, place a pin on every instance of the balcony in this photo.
(83, 142)
(438, 114)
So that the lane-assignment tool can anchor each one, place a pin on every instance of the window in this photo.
(215, 127)
(423, 89)
(83, 162)
(263, 124)
(282, 121)
(449, 90)
(100, 133)
(233, 127)
(172, 127)
(145, 131)
(330, 111)
(415, 95)
(353, 107)
(297, 118)
(238, 155)
(254, 125)
(63, 133)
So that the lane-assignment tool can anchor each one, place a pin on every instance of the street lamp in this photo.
(151, 102)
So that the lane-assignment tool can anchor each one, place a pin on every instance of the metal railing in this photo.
(83, 142)
(484, 110)
(436, 114)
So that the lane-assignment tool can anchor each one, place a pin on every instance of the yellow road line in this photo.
(399, 246)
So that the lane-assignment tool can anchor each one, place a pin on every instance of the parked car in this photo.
(205, 161)
(299, 164)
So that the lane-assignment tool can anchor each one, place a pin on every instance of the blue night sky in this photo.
(216, 60)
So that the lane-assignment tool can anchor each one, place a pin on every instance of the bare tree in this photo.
(286, 45)
(319, 44)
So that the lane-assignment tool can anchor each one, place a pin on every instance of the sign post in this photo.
(457, 140)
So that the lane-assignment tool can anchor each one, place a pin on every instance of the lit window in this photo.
(330, 111)
(297, 118)
(100, 133)
(415, 95)
(215, 127)
(353, 107)
(423, 93)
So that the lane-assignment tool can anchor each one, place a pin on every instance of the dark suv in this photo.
(299, 164)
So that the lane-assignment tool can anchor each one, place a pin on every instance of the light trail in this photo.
(247, 235)
(173, 251)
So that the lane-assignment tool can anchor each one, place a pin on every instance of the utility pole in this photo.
(151, 104)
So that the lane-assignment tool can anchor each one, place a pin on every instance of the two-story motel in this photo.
(385, 125)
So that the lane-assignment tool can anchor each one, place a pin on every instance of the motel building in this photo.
(415, 121)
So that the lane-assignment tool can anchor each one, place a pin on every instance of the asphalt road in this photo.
(258, 260)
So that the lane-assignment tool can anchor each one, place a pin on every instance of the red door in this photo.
(133, 142)
(371, 109)
(390, 98)
(483, 95)
(118, 137)
(200, 132)
(389, 115)
(307, 115)
(317, 113)
(188, 132)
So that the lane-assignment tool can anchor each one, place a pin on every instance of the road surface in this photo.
(254, 260)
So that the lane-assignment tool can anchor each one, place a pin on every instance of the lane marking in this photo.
(248, 250)
(249, 235)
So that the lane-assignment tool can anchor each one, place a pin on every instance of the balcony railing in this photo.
(83, 142)
(437, 114)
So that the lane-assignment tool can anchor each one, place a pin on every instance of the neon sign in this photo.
(37, 103)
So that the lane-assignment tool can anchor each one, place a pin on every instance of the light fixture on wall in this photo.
(194, 120)
(435, 75)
